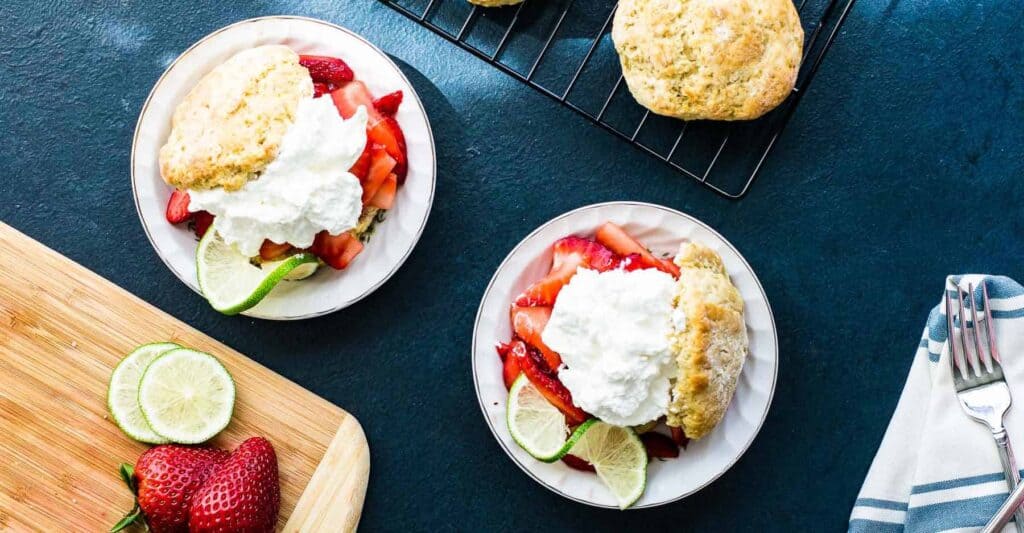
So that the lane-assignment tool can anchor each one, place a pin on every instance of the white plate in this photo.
(329, 290)
(662, 230)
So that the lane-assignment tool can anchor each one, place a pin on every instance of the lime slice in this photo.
(186, 396)
(230, 282)
(123, 391)
(619, 457)
(537, 426)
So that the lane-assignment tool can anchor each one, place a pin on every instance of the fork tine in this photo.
(990, 333)
(970, 363)
(954, 354)
(984, 361)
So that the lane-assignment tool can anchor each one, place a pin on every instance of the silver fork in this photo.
(978, 378)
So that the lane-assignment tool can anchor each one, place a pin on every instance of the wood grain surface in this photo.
(62, 330)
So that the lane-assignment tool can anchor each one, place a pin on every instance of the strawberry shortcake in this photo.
(288, 152)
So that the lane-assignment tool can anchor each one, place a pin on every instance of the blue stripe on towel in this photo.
(973, 512)
(958, 482)
(1012, 313)
(1000, 287)
(860, 525)
(880, 504)
(936, 325)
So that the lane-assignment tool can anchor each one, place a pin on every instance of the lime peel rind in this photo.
(173, 402)
(122, 391)
(221, 268)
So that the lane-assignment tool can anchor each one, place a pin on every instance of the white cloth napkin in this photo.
(937, 469)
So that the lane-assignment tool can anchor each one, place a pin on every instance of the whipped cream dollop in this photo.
(306, 189)
(612, 330)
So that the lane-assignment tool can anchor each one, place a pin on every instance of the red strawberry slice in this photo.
(177, 207)
(577, 464)
(381, 165)
(361, 168)
(270, 250)
(658, 445)
(349, 97)
(510, 370)
(325, 69)
(679, 437)
(244, 494)
(633, 262)
(164, 480)
(336, 250)
(537, 371)
(503, 349)
(528, 324)
(384, 198)
(388, 104)
(616, 239)
(201, 222)
(570, 253)
(320, 89)
(380, 129)
(388, 133)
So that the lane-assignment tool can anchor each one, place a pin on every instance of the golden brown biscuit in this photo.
(708, 59)
(712, 345)
(494, 3)
(230, 125)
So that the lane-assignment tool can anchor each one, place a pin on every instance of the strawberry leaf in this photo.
(127, 472)
(133, 516)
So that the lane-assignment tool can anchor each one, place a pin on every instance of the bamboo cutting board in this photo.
(62, 330)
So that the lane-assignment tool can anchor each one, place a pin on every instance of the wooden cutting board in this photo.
(62, 330)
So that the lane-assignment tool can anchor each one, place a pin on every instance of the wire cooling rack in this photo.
(563, 49)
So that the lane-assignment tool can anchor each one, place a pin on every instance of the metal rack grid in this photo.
(563, 49)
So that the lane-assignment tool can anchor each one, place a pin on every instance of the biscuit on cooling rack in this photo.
(709, 59)
(494, 3)
(712, 345)
(230, 125)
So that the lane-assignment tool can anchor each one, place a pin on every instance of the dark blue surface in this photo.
(903, 163)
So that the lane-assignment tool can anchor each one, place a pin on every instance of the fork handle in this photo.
(1010, 469)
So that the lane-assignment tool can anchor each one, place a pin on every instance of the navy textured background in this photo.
(903, 163)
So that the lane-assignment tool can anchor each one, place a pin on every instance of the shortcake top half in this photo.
(231, 124)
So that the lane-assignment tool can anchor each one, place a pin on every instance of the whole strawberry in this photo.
(242, 496)
(164, 479)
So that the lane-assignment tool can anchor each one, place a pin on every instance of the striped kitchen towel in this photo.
(937, 469)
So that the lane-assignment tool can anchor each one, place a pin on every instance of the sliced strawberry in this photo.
(387, 132)
(510, 370)
(577, 464)
(503, 349)
(270, 250)
(384, 198)
(615, 238)
(388, 104)
(325, 69)
(632, 262)
(380, 128)
(361, 168)
(336, 250)
(320, 89)
(381, 165)
(658, 445)
(537, 371)
(201, 222)
(679, 437)
(352, 95)
(352, 249)
(528, 323)
(570, 253)
(177, 207)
